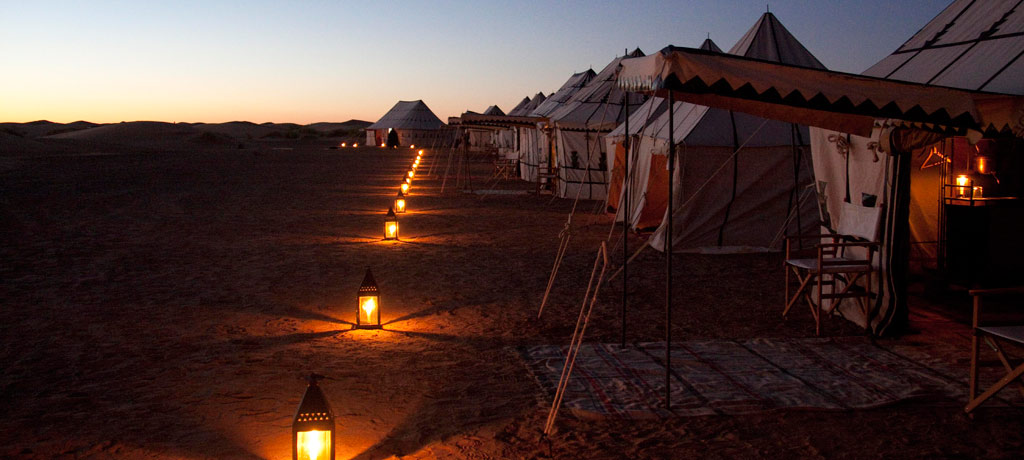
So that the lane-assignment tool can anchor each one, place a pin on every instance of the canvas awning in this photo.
(833, 100)
(506, 121)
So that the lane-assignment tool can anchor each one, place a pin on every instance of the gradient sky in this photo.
(107, 61)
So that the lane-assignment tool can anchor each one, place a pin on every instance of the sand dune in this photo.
(147, 134)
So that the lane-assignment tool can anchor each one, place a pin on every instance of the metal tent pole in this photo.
(625, 226)
(668, 251)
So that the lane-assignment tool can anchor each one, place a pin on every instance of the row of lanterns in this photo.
(313, 425)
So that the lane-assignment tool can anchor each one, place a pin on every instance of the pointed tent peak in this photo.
(571, 86)
(709, 45)
(494, 110)
(769, 40)
(537, 100)
(408, 115)
(518, 109)
(637, 53)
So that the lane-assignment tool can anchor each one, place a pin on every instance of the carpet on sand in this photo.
(731, 377)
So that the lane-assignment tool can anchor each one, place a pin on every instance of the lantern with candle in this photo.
(400, 203)
(391, 225)
(313, 425)
(405, 188)
(961, 189)
(368, 308)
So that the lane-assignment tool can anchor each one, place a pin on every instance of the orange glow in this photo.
(405, 188)
(408, 180)
(343, 144)
(419, 153)
(961, 181)
(313, 445)
(400, 205)
(355, 144)
(382, 144)
(412, 146)
(981, 164)
(412, 174)
(978, 190)
(390, 230)
(368, 304)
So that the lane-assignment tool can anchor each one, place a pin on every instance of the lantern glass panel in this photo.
(400, 205)
(369, 311)
(391, 230)
(405, 188)
(312, 445)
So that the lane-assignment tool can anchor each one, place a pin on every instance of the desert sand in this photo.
(168, 302)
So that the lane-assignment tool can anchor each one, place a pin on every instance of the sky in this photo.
(310, 61)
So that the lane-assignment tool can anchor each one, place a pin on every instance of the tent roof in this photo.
(408, 115)
(518, 109)
(537, 100)
(476, 119)
(571, 86)
(834, 100)
(976, 45)
(767, 39)
(493, 110)
(598, 105)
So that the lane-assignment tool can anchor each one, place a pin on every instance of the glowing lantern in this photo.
(343, 144)
(400, 203)
(408, 180)
(382, 145)
(368, 308)
(412, 146)
(355, 144)
(412, 174)
(961, 182)
(983, 165)
(419, 153)
(391, 225)
(405, 187)
(313, 426)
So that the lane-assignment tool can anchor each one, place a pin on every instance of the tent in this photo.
(520, 108)
(579, 126)
(743, 182)
(537, 154)
(528, 140)
(879, 135)
(648, 184)
(412, 121)
(483, 138)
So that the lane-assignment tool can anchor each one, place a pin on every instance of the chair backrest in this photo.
(859, 221)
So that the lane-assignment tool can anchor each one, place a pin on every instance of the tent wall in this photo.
(530, 152)
(582, 164)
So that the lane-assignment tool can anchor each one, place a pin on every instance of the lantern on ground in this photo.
(412, 146)
(408, 180)
(412, 174)
(343, 144)
(313, 426)
(355, 144)
(382, 145)
(391, 225)
(400, 203)
(368, 308)
(419, 153)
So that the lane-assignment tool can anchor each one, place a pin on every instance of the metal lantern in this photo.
(355, 144)
(400, 203)
(962, 182)
(412, 146)
(368, 308)
(412, 174)
(391, 225)
(313, 426)
(343, 144)
(405, 188)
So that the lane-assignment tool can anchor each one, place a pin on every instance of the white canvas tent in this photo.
(743, 182)
(528, 140)
(888, 121)
(579, 126)
(413, 122)
(537, 154)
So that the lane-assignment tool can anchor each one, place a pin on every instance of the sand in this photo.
(168, 305)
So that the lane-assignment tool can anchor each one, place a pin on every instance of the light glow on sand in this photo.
(313, 445)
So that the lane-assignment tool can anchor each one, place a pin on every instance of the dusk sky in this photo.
(304, 62)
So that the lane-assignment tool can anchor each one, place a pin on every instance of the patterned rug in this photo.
(741, 377)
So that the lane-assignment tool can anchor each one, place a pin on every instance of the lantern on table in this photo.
(313, 425)
(391, 225)
(368, 308)
(961, 182)
(400, 203)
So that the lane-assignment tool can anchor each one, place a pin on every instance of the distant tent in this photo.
(483, 138)
(539, 153)
(519, 109)
(411, 121)
(579, 126)
(493, 110)
(528, 139)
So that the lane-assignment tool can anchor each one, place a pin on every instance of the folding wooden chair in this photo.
(546, 176)
(996, 337)
(842, 266)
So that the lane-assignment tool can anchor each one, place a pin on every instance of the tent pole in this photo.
(668, 251)
(625, 227)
